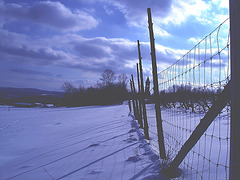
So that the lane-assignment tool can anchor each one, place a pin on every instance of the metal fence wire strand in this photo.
(188, 88)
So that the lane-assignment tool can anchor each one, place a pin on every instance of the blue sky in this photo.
(45, 43)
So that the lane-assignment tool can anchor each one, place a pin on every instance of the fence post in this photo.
(135, 99)
(134, 107)
(142, 95)
(234, 172)
(139, 99)
(155, 88)
(129, 105)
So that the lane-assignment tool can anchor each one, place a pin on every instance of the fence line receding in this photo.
(189, 90)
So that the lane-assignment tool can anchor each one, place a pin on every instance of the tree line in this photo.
(110, 89)
(189, 98)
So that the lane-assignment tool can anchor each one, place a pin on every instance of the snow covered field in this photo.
(98, 142)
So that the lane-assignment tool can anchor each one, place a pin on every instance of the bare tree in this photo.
(68, 88)
(122, 80)
(108, 77)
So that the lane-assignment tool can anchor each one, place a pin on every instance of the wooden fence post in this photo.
(129, 105)
(234, 171)
(135, 99)
(155, 88)
(133, 102)
(139, 99)
(142, 95)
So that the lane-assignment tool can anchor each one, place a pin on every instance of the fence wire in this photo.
(188, 88)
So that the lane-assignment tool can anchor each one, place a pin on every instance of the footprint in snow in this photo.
(132, 130)
(130, 140)
(93, 145)
(133, 159)
(95, 172)
(142, 145)
(146, 153)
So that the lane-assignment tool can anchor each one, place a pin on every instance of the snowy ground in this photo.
(209, 158)
(73, 143)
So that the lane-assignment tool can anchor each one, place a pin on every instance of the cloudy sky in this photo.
(45, 43)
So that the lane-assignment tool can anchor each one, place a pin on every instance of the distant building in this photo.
(27, 105)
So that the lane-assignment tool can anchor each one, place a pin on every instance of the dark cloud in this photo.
(85, 54)
(25, 52)
(92, 49)
(30, 72)
(17, 48)
(120, 55)
(49, 13)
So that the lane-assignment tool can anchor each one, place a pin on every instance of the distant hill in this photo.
(8, 92)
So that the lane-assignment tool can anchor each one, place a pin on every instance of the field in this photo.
(100, 142)
(105, 142)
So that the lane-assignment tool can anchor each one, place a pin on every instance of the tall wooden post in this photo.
(135, 99)
(142, 95)
(155, 88)
(139, 99)
(234, 171)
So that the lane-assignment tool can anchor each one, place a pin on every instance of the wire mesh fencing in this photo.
(188, 89)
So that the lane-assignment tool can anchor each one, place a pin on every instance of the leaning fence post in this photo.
(142, 95)
(139, 99)
(155, 88)
(234, 172)
(129, 105)
(135, 99)
(133, 102)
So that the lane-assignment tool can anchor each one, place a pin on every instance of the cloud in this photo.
(18, 48)
(136, 13)
(164, 11)
(36, 53)
(181, 10)
(101, 53)
(70, 50)
(194, 40)
(30, 72)
(222, 3)
(83, 55)
(160, 32)
(53, 14)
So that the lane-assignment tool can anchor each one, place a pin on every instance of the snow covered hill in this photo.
(100, 142)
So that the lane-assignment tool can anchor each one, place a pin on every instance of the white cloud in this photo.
(204, 20)
(164, 11)
(158, 31)
(181, 10)
(224, 4)
(135, 12)
(220, 17)
(221, 3)
(194, 40)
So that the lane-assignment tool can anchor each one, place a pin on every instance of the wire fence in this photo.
(188, 89)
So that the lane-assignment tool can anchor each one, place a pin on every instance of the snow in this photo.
(105, 142)
(209, 158)
(98, 142)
